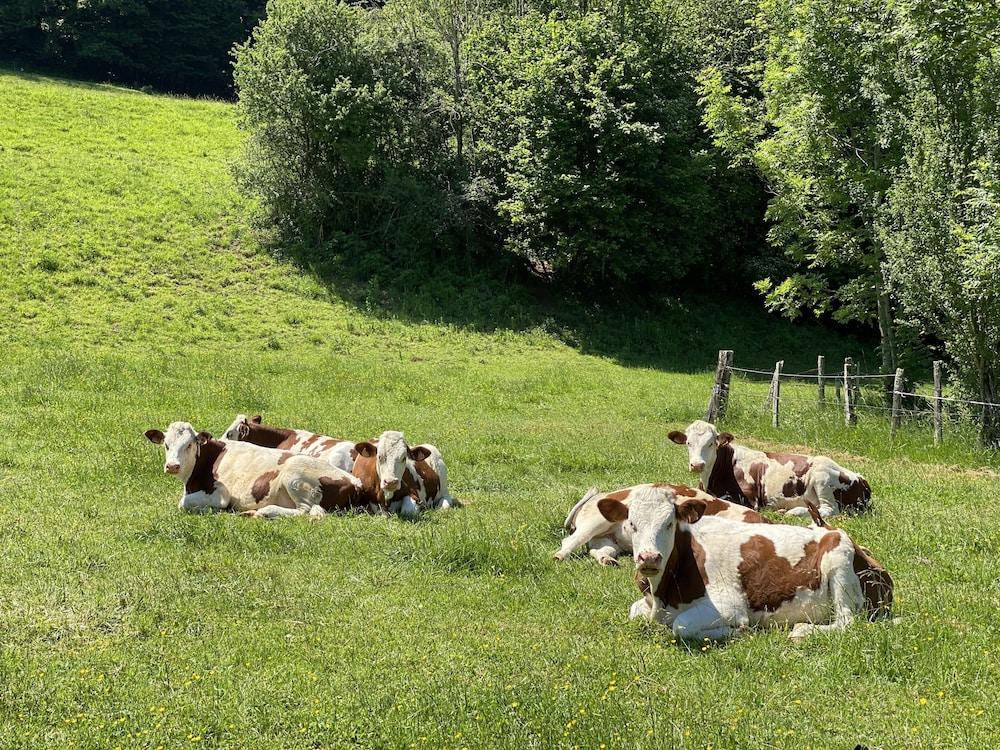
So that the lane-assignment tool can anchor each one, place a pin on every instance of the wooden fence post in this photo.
(850, 418)
(719, 399)
(776, 392)
(820, 385)
(938, 428)
(897, 400)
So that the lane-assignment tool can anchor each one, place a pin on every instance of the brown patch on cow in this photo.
(205, 473)
(726, 477)
(269, 437)
(339, 494)
(855, 495)
(612, 509)
(714, 506)
(794, 488)
(262, 485)
(876, 583)
(284, 457)
(619, 495)
(367, 473)
(769, 580)
(684, 578)
(309, 441)
(679, 489)
(800, 464)
(430, 478)
(329, 443)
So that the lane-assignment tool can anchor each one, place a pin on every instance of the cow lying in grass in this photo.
(712, 577)
(400, 478)
(785, 481)
(264, 482)
(607, 539)
(335, 451)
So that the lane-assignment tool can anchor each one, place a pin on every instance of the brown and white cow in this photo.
(265, 482)
(712, 577)
(336, 451)
(784, 481)
(606, 539)
(399, 478)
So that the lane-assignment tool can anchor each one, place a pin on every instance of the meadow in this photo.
(133, 293)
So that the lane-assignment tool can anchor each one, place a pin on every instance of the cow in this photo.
(336, 451)
(712, 578)
(249, 479)
(398, 478)
(784, 481)
(606, 540)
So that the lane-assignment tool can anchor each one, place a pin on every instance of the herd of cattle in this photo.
(708, 564)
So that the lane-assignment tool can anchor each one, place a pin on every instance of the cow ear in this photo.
(613, 510)
(420, 453)
(203, 437)
(365, 449)
(257, 419)
(154, 436)
(691, 510)
(242, 432)
(678, 437)
(725, 438)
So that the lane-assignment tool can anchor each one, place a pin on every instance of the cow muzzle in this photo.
(648, 563)
(390, 485)
(697, 466)
(172, 468)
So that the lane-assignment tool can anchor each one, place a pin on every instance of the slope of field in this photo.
(133, 294)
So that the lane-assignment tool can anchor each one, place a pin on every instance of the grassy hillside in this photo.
(132, 294)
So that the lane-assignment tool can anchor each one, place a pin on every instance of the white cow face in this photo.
(652, 517)
(240, 428)
(391, 456)
(181, 443)
(703, 441)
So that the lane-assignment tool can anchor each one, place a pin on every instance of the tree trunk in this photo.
(887, 341)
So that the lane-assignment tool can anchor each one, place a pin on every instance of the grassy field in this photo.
(133, 294)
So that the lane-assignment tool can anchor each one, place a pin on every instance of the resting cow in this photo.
(335, 451)
(398, 478)
(267, 483)
(606, 540)
(717, 577)
(785, 481)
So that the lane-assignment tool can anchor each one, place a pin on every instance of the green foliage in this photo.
(589, 130)
(345, 135)
(173, 45)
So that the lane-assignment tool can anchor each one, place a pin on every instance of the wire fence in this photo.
(872, 395)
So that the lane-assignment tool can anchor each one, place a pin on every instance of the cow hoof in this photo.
(558, 556)
(249, 514)
(609, 561)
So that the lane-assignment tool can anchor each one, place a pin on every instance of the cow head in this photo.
(240, 428)
(181, 443)
(703, 441)
(391, 454)
(652, 516)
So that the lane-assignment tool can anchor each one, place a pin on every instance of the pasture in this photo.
(133, 294)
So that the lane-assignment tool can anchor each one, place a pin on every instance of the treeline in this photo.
(623, 147)
(179, 46)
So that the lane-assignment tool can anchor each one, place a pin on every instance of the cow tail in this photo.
(571, 517)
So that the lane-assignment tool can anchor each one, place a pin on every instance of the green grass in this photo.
(133, 294)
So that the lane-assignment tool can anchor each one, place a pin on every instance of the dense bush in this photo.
(173, 45)
(346, 135)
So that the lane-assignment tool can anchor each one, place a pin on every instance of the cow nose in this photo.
(172, 468)
(697, 465)
(650, 558)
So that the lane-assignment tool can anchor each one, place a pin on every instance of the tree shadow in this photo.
(677, 330)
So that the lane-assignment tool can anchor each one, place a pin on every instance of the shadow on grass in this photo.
(680, 330)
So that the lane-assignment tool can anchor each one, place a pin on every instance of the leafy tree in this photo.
(943, 232)
(589, 135)
(818, 134)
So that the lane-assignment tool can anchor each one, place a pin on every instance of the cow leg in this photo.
(277, 511)
(604, 550)
(407, 508)
(701, 621)
(845, 591)
(798, 512)
(590, 528)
